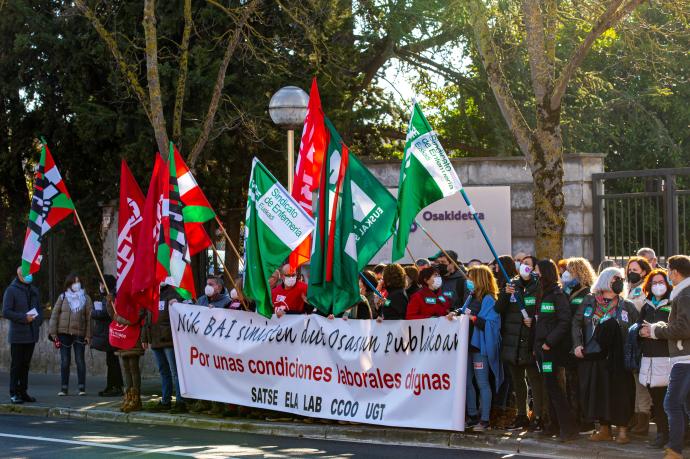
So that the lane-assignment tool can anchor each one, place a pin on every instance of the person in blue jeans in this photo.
(677, 332)
(158, 337)
(485, 345)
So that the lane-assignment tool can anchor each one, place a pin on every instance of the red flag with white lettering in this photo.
(308, 170)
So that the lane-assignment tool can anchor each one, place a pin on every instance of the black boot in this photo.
(521, 422)
(659, 442)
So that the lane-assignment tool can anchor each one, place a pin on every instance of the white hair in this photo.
(646, 252)
(603, 282)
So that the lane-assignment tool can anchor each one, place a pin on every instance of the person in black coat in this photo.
(101, 316)
(22, 307)
(395, 307)
(551, 346)
(599, 331)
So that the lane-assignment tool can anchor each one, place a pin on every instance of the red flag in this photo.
(128, 226)
(146, 282)
(308, 170)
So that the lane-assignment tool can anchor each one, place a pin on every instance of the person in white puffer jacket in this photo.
(655, 368)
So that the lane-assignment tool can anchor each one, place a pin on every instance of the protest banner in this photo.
(395, 373)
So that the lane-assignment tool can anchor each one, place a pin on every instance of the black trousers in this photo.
(114, 379)
(559, 408)
(658, 394)
(20, 355)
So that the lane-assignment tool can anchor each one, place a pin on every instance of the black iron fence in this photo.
(647, 208)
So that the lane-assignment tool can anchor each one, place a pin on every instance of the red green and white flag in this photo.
(50, 204)
(426, 176)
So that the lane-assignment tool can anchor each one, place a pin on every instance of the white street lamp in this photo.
(287, 108)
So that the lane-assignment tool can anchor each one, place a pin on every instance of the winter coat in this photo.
(637, 296)
(100, 325)
(20, 298)
(677, 329)
(585, 321)
(516, 336)
(64, 320)
(576, 297)
(655, 368)
(360, 311)
(553, 325)
(159, 335)
(453, 288)
(222, 302)
(397, 307)
(426, 303)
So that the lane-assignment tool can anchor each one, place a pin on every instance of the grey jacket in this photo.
(677, 330)
(19, 299)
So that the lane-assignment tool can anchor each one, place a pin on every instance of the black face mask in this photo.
(442, 269)
(617, 286)
(633, 277)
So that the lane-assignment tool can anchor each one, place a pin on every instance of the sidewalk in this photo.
(94, 408)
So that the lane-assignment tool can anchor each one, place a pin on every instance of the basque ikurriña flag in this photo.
(50, 204)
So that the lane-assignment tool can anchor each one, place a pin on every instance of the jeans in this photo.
(676, 404)
(165, 358)
(559, 408)
(480, 372)
(69, 342)
(20, 356)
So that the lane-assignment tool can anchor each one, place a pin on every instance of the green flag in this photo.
(275, 224)
(426, 176)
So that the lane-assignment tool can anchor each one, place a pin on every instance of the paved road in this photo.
(34, 437)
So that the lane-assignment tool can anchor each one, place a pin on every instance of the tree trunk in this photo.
(231, 222)
(546, 154)
(157, 118)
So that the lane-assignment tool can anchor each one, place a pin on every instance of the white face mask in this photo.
(436, 283)
(659, 290)
(290, 281)
(76, 287)
(209, 290)
(517, 266)
(566, 277)
(525, 271)
(233, 294)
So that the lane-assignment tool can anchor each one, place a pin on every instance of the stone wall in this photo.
(514, 172)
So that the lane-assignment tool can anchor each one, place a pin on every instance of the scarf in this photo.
(76, 300)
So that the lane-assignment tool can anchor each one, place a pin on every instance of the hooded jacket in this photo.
(553, 324)
(20, 298)
(677, 329)
(453, 288)
(516, 336)
(64, 320)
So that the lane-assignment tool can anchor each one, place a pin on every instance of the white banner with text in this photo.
(394, 373)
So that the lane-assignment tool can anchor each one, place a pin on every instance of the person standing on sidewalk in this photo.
(101, 316)
(22, 307)
(130, 363)
(677, 332)
(158, 337)
(70, 329)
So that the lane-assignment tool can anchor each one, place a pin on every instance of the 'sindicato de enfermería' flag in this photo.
(353, 220)
(275, 224)
(426, 176)
(50, 204)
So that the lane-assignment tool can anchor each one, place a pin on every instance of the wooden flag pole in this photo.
(227, 238)
(93, 255)
(439, 247)
(227, 273)
(409, 252)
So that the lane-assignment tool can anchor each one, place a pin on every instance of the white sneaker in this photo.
(82, 393)
(62, 393)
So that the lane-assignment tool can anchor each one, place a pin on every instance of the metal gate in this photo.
(647, 208)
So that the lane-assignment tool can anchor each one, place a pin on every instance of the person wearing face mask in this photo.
(453, 277)
(412, 280)
(485, 344)
(237, 297)
(599, 331)
(655, 367)
(21, 305)
(215, 294)
(289, 297)
(101, 316)
(636, 271)
(551, 347)
(429, 301)
(70, 329)
(676, 334)
(516, 305)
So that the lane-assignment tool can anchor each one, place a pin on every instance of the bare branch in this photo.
(182, 76)
(233, 42)
(497, 80)
(125, 68)
(158, 118)
(614, 13)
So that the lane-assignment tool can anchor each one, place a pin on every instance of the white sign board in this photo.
(450, 223)
(396, 373)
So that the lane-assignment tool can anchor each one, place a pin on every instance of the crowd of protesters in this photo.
(554, 347)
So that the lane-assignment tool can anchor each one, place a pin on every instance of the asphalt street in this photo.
(34, 437)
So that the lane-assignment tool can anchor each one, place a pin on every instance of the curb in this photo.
(493, 441)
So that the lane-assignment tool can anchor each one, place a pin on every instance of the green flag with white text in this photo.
(274, 225)
(426, 176)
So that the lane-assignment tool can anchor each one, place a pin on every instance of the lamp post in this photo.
(287, 109)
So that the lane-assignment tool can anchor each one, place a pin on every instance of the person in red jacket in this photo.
(429, 300)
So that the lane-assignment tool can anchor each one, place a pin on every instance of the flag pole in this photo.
(445, 254)
(227, 273)
(409, 252)
(227, 238)
(93, 255)
(379, 294)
